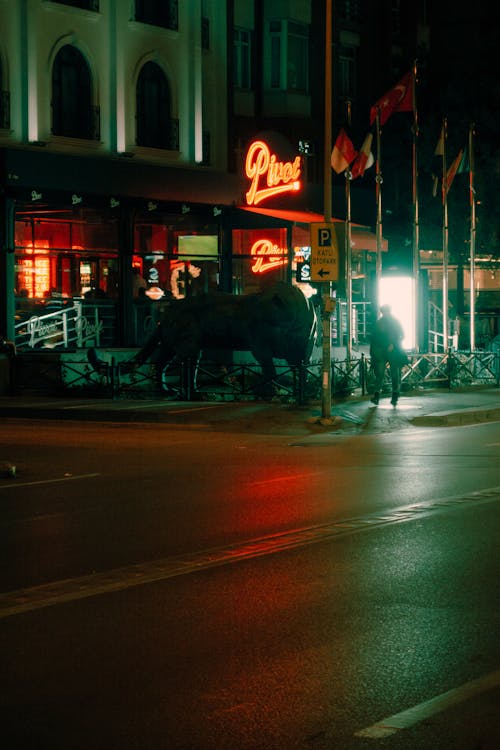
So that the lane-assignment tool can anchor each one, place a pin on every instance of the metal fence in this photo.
(71, 372)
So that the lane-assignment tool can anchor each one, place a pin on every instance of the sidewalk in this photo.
(354, 414)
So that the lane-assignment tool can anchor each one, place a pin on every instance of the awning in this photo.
(362, 238)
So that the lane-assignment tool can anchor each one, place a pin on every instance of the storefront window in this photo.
(260, 258)
(174, 257)
(66, 278)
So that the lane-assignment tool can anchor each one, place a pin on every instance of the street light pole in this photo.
(326, 390)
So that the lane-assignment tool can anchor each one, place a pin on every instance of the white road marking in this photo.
(48, 481)
(118, 579)
(414, 715)
(194, 408)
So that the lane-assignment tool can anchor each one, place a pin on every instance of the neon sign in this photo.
(268, 175)
(267, 256)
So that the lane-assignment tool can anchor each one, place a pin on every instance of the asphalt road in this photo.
(174, 589)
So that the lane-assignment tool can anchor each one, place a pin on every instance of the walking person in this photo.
(386, 348)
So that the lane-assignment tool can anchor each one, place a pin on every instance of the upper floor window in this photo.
(346, 72)
(242, 58)
(158, 13)
(84, 4)
(155, 126)
(205, 33)
(73, 114)
(4, 103)
(349, 10)
(288, 56)
(396, 16)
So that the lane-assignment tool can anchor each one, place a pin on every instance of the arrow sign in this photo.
(324, 252)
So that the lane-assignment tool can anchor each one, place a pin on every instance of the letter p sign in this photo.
(324, 237)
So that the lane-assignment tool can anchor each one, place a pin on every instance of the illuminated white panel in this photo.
(399, 293)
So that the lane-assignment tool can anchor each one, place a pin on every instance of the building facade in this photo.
(126, 128)
(113, 164)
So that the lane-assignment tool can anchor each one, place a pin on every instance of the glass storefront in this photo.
(174, 257)
(75, 286)
(259, 259)
(67, 273)
(66, 277)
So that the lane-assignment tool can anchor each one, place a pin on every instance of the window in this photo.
(155, 127)
(242, 59)
(288, 56)
(349, 10)
(66, 278)
(158, 13)
(206, 148)
(4, 104)
(84, 4)
(298, 57)
(259, 258)
(275, 58)
(205, 33)
(73, 114)
(396, 16)
(346, 72)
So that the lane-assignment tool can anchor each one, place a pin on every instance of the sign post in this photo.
(326, 286)
(324, 252)
(325, 268)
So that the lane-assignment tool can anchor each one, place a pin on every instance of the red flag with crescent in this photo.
(397, 99)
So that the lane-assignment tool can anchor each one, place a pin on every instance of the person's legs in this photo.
(395, 381)
(379, 372)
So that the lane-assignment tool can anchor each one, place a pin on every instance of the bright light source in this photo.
(399, 293)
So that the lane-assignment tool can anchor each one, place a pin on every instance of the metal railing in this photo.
(189, 380)
(84, 323)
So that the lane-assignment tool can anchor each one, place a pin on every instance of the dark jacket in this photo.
(386, 340)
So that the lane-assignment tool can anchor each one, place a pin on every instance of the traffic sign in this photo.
(324, 252)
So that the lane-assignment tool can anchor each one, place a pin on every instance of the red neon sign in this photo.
(268, 175)
(268, 256)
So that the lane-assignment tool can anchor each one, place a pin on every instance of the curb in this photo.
(457, 418)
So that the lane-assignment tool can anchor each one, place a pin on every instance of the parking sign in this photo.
(324, 252)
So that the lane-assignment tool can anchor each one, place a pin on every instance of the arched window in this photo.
(73, 114)
(155, 127)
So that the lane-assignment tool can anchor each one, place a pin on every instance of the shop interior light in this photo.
(399, 293)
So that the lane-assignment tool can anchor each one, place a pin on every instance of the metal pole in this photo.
(378, 189)
(326, 390)
(472, 200)
(416, 228)
(348, 255)
(445, 240)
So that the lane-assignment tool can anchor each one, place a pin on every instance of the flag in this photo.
(452, 171)
(397, 99)
(464, 167)
(364, 159)
(343, 152)
(437, 163)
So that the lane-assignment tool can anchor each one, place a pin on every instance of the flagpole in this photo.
(378, 228)
(472, 200)
(416, 227)
(326, 316)
(444, 191)
(348, 253)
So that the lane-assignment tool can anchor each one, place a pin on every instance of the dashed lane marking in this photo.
(418, 713)
(48, 481)
(118, 579)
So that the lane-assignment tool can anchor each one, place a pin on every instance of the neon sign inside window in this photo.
(269, 176)
(267, 256)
